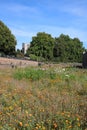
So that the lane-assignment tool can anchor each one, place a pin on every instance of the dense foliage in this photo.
(42, 46)
(62, 48)
(7, 40)
(19, 54)
(67, 49)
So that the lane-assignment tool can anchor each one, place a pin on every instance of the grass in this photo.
(38, 98)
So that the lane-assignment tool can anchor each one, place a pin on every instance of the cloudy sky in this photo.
(25, 18)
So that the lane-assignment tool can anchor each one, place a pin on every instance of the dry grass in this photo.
(46, 104)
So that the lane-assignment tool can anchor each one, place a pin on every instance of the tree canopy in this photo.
(62, 48)
(42, 45)
(7, 40)
(67, 49)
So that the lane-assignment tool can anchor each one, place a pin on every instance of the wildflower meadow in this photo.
(43, 98)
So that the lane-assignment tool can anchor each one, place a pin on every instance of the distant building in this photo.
(84, 62)
(25, 47)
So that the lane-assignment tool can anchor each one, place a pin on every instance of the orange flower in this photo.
(55, 125)
(20, 124)
(30, 114)
(70, 126)
(0, 113)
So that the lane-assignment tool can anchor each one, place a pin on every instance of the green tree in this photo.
(42, 45)
(67, 49)
(7, 40)
(19, 54)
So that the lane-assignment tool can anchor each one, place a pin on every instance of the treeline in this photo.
(7, 41)
(43, 46)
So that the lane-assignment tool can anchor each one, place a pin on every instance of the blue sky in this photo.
(25, 18)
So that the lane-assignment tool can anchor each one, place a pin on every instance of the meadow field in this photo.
(43, 98)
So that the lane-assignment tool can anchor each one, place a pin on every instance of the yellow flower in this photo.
(39, 126)
(78, 119)
(26, 125)
(62, 113)
(36, 128)
(30, 115)
(43, 110)
(43, 128)
(78, 124)
(68, 115)
(67, 121)
(70, 126)
(11, 108)
(26, 112)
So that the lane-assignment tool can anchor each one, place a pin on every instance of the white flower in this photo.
(67, 75)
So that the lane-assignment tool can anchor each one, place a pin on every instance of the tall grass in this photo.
(34, 73)
(51, 98)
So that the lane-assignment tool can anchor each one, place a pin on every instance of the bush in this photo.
(29, 73)
(36, 58)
